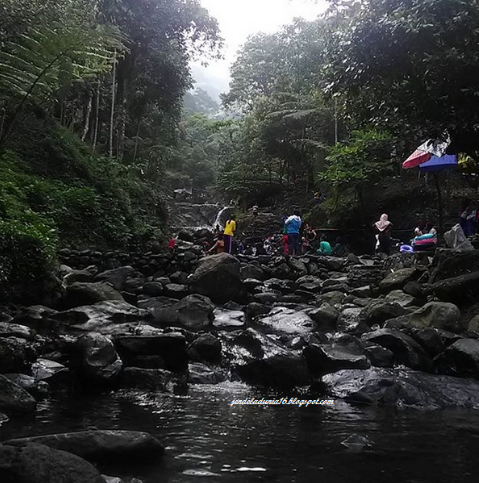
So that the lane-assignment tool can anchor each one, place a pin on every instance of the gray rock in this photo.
(254, 309)
(169, 350)
(50, 372)
(151, 380)
(333, 298)
(218, 277)
(401, 298)
(202, 374)
(97, 361)
(430, 339)
(99, 445)
(195, 312)
(205, 348)
(402, 388)
(13, 399)
(463, 356)
(153, 289)
(13, 355)
(325, 317)
(323, 359)
(250, 271)
(349, 320)
(362, 292)
(117, 276)
(36, 463)
(380, 311)
(38, 389)
(398, 279)
(8, 329)
(406, 350)
(379, 356)
(461, 289)
(74, 276)
(224, 319)
(82, 293)
(439, 315)
(287, 321)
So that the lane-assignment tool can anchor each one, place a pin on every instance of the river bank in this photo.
(130, 330)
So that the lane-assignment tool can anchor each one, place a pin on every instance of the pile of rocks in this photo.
(397, 335)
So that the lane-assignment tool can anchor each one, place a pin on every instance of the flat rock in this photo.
(287, 321)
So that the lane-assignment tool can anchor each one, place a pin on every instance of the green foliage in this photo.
(366, 157)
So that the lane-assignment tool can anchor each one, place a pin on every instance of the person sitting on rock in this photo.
(255, 211)
(324, 247)
(219, 246)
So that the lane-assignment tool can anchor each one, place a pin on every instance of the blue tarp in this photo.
(449, 161)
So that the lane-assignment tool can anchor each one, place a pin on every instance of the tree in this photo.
(408, 64)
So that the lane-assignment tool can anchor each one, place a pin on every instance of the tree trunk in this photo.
(137, 139)
(113, 99)
(97, 115)
(86, 126)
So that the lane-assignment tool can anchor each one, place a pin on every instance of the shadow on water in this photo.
(207, 439)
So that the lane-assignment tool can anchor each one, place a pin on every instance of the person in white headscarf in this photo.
(383, 234)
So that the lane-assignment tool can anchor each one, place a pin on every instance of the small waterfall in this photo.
(221, 217)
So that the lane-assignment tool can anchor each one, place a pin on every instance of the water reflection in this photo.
(207, 439)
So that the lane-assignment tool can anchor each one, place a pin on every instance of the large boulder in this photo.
(82, 293)
(162, 351)
(13, 399)
(463, 356)
(403, 299)
(463, 288)
(325, 317)
(36, 463)
(99, 445)
(251, 271)
(439, 315)
(402, 388)
(117, 276)
(325, 358)
(195, 312)
(380, 311)
(97, 362)
(206, 348)
(405, 349)
(38, 389)
(218, 277)
(13, 355)
(287, 321)
(453, 263)
(398, 279)
(9, 329)
(111, 317)
(156, 380)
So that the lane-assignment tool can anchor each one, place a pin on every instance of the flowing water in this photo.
(206, 439)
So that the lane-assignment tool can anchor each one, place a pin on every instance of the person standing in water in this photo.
(383, 230)
(293, 226)
(229, 232)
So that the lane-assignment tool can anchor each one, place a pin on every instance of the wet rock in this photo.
(379, 356)
(333, 298)
(168, 349)
(8, 329)
(362, 292)
(35, 463)
(402, 388)
(285, 370)
(332, 264)
(325, 317)
(380, 311)
(205, 348)
(430, 339)
(162, 309)
(398, 279)
(281, 286)
(282, 271)
(38, 389)
(252, 284)
(356, 442)
(202, 374)
(218, 277)
(151, 380)
(117, 276)
(323, 359)
(298, 266)
(81, 293)
(83, 276)
(401, 298)
(251, 271)
(176, 291)
(99, 445)
(195, 312)
(13, 355)
(109, 317)
(463, 356)
(472, 326)
(349, 321)
(461, 289)
(414, 289)
(13, 399)
(51, 372)
(180, 278)
(227, 319)
(287, 321)
(267, 298)
(97, 361)
(153, 289)
(254, 309)
(453, 263)
(37, 317)
(405, 349)
(438, 315)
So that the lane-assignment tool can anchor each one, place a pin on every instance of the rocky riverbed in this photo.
(370, 331)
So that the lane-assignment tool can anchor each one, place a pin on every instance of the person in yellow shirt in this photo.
(230, 229)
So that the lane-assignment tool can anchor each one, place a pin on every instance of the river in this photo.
(206, 439)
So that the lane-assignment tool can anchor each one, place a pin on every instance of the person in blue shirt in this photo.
(324, 247)
(293, 226)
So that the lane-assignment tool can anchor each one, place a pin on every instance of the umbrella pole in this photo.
(440, 203)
